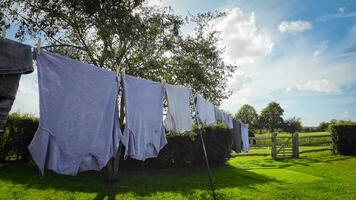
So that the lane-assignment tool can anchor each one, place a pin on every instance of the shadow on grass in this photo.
(138, 183)
(288, 162)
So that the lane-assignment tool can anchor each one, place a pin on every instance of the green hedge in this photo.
(181, 150)
(344, 138)
(186, 151)
(18, 134)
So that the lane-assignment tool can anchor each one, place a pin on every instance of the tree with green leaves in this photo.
(248, 115)
(271, 116)
(292, 125)
(323, 126)
(147, 41)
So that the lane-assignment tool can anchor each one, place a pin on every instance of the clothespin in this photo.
(123, 71)
(38, 46)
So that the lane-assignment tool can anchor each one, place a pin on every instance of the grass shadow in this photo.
(139, 183)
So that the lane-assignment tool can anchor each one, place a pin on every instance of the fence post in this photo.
(274, 145)
(295, 143)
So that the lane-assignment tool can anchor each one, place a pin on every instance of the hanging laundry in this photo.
(228, 120)
(236, 136)
(245, 139)
(179, 118)
(15, 59)
(219, 115)
(144, 134)
(78, 128)
(205, 111)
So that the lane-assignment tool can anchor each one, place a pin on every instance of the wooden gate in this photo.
(282, 146)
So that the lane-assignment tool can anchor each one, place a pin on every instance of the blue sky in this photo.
(301, 54)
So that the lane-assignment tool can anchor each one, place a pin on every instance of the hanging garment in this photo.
(205, 111)
(227, 120)
(15, 59)
(236, 136)
(245, 139)
(179, 118)
(219, 115)
(78, 128)
(144, 134)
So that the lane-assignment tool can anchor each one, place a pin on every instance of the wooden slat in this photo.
(315, 143)
(259, 138)
(315, 136)
(315, 150)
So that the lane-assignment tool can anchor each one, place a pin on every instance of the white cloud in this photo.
(342, 9)
(322, 85)
(336, 16)
(294, 26)
(244, 42)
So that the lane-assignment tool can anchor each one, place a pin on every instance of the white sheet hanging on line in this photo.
(228, 120)
(245, 139)
(78, 128)
(205, 111)
(144, 134)
(179, 117)
(219, 116)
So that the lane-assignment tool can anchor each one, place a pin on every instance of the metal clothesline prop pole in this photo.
(118, 155)
(204, 150)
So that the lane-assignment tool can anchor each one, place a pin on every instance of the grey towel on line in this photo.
(205, 111)
(228, 120)
(15, 59)
(219, 115)
(78, 128)
(237, 136)
(179, 118)
(144, 134)
(245, 139)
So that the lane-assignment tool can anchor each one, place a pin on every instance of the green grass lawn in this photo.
(313, 176)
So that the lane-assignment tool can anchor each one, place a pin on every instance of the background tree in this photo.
(147, 41)
(248, 115)
(323, 126)
(292, 125)
(260, 124)
(271, 116)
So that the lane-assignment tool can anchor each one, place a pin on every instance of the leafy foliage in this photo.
(292, 125)
(147, 41)
(248, 115)
(271, 116)
(344, 137)
(185, 151)
(18, 134)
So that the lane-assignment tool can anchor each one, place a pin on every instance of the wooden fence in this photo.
(293, 146)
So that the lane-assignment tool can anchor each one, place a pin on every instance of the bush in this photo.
(181, 150)
(344, 137)
(19, 131)
(185, 151)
